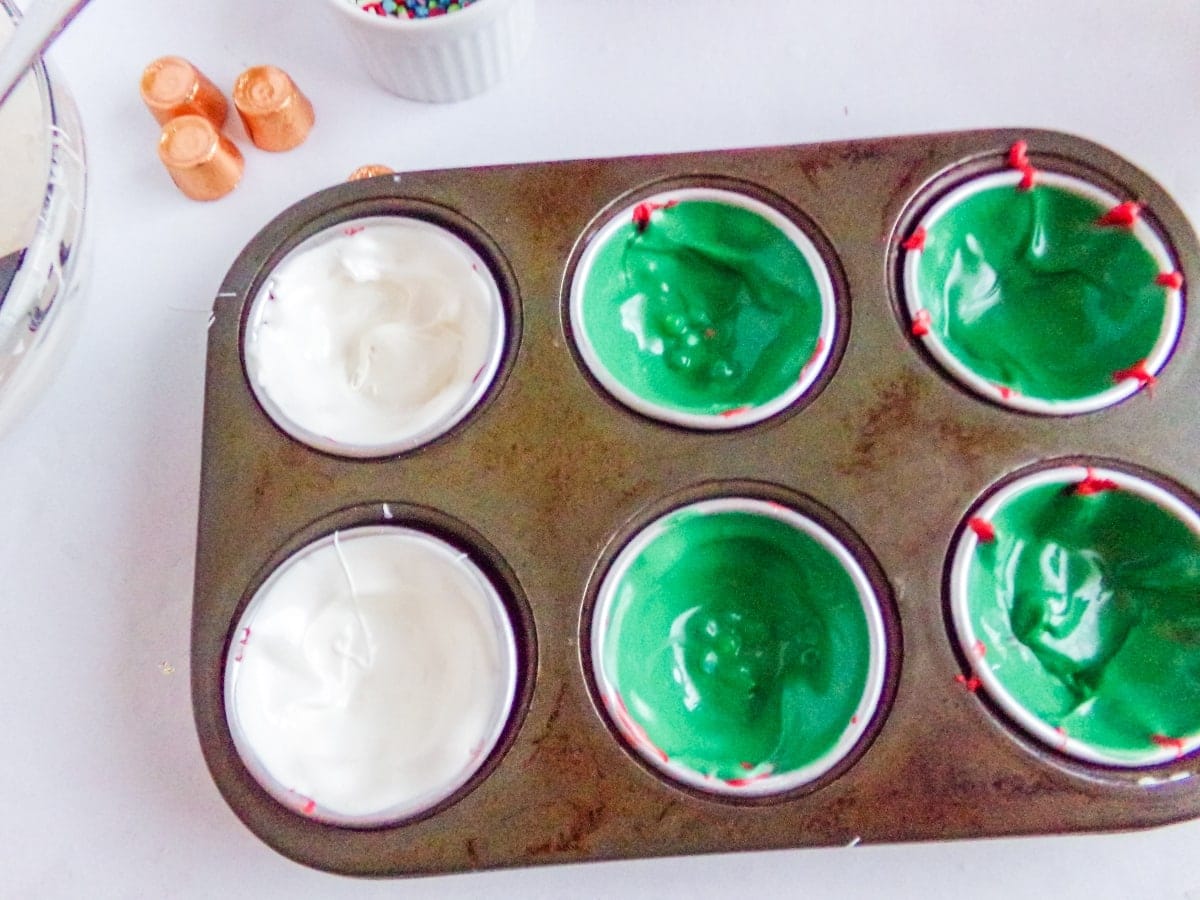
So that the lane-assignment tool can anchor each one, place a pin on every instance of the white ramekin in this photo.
(445, 58)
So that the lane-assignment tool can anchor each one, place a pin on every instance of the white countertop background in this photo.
(103, 792)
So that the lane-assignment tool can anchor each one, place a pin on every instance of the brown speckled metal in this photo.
(544, 480)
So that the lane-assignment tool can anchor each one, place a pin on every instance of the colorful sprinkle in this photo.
(412, 9)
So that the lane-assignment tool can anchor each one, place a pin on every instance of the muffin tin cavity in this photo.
(375, 336)
(738, 647)
(1042, 292)
(1076, 591)
(703, 307)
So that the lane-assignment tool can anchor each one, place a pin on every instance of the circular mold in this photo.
(703, 307)
(371, 676)
(739, 648)
(374, 336)
(1074, 591)
(1024, 297)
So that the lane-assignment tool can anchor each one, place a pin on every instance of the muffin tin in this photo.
(549, 477)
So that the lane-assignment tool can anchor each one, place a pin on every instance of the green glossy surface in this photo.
(707, 309)
(738, 644)
(1026, 290)
(1089, 609)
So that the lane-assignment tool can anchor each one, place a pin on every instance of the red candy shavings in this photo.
(817, 351)
(1018, 159)
(632, 728)
(309, 807)
(736, 411)
(1138, 371)
(750, 779)
(916, 241)
(921, 323)
(1094, 484)
(1006, 393)
(1176, 744)
(242, 643)
(971, 683)
(641, 212)
(352, 230)
(1123, 215)
(984, 530)
(1172, 281)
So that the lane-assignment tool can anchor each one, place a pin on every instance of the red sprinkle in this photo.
(971, 684)
(641, 212)
(737, 411)
(1123, 215)
(1170, 280)
(1018, 159)
(984, 530)
(356, 229)
(1139, 371)
(980, 649)
(309, 808)
(1018, 155)
(1006, 393)
(632, 728)
(749, 779)
(1175, 744)
(921, 323)
(916, 241)
(1094, 484)
(817, 351)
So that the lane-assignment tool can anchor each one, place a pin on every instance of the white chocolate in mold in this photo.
(370, 676)
(375, 337)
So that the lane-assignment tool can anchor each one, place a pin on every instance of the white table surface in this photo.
(103, 792)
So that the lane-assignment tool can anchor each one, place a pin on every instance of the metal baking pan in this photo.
(548, 477)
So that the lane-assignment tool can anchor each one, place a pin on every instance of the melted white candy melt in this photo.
(382, 336)
(375, 678)
(24, 158)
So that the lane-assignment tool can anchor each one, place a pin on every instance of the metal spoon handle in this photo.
(35, 31)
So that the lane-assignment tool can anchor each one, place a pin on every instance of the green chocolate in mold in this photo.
(1088, 606)
(738, 644)
(705, 308)
(1026, 290)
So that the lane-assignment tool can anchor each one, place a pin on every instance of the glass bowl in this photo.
(42, 188)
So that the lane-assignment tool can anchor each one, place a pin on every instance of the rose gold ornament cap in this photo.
(173, 87)
(372, 171)
(202, 162)
(276, 115)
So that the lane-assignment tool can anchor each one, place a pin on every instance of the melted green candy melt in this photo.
(738, 644)
(1026, 290)
(1089, 610)
(707, 308)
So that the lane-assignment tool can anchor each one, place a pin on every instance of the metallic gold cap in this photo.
(203, 162)
(276, 115)
(373, 171)
(173, 87)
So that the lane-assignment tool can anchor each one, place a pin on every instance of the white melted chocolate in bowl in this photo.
(42, 187)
